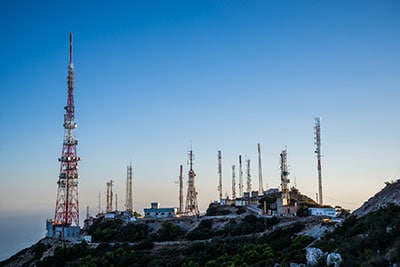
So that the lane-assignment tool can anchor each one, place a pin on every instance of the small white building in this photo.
(156, 212)
(240, 202)
(329, 212)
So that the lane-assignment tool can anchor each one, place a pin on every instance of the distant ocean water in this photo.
(19, 231)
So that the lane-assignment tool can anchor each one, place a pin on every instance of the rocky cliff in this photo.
(389, 194)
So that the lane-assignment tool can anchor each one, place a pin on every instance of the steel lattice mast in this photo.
(191, 198)
(67, 204)
(284, 175)
(129, 199)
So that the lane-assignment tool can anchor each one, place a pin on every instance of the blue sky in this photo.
(153, 77)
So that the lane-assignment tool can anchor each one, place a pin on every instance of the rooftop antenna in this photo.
(220, 175)
(317, 142)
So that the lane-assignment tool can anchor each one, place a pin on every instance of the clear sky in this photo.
(154, 77)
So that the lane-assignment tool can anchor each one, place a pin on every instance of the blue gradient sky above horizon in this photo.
(154, 77)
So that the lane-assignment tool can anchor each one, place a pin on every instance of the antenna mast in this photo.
(109, 196)
(260, 180)
(129, 199)
(248, 176)
(284, 175)
(191, 198)
(317, 142)
(67, 204)
(181, 189)
(220, 175)
(240, 177)
(233, 182)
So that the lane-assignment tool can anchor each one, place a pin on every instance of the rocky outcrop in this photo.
(388, 195)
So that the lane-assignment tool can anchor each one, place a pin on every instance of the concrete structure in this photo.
(63, 232)
(329, 212)
(284, 208)
(156, 212)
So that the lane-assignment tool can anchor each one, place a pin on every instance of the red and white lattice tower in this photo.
(67, 204)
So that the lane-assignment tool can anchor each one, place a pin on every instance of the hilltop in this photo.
(234, 236)
(390, 194)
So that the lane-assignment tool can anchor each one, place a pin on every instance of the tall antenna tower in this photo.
(233, 182)
(67, 204)
(248, 176)
(260, 180)
(181, 189)
(220, 175)
(317, 142)
(284, 175)
(129, 200)
(191, 197)
(109, 196)
(240, 177)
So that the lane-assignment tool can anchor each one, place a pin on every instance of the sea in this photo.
(20, 230)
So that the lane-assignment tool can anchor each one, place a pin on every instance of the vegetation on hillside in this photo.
(372, 240)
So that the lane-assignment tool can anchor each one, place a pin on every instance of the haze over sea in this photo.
(20, 230)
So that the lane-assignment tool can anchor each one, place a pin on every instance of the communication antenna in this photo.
(181, 189)
(248, 176)
(240, 177)
(191, 198)
(109, 196)
(317, 139)
(260, 180)
(220, 175)
(233, 182)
